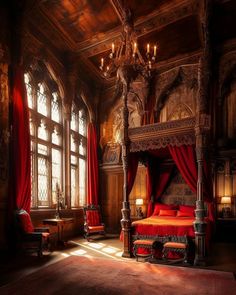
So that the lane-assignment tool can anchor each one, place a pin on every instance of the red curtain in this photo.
(132, 170)
(158, 176)
(20, 179)
(185, 159)
(149, 181)
(92, 183)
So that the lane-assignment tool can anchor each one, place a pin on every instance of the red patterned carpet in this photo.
(80, 275)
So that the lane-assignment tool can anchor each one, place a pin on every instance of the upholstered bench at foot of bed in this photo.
(176, 247)
(148, 244)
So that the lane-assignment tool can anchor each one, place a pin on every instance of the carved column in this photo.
(201, 129)
(125, 221)
(67, 118)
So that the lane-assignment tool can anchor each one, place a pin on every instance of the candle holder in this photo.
(58, 192)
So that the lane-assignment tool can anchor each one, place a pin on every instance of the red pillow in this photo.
(25, 222)
(184, 214)
(164, 212)
(188, 209)
(93, 217)
(160, 206)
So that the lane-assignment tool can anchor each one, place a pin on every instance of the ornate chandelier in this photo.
(127, 52)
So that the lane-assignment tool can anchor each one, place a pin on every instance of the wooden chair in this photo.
(93, 222)
(30, 238)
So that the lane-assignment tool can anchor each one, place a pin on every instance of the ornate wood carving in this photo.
(226, 73)
(168, 81)
(160, 135)
(201, 131)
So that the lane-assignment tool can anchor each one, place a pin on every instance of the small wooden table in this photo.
(59, 223)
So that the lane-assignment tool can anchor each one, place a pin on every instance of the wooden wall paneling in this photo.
(111, 194)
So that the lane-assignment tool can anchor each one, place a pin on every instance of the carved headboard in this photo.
(178, 192)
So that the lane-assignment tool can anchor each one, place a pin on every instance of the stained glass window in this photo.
(55, 108)
(72, 144)
(56, 139)
(82, 123)
(78, 156)
(82, 174)
(29, 91)
(56, 171)
(43, 181)
(47, 147)
(42, 131)
(42, 101)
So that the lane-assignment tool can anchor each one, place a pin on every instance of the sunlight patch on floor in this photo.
(101, 248)
(78, 252)
(65, 254)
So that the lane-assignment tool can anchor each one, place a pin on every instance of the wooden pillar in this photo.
(67, 118)
(201, 131)
(125, 221)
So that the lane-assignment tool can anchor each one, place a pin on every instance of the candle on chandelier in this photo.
(148, 48)
(155, 50)
(135, 48)
(113, 48)
(102, 62)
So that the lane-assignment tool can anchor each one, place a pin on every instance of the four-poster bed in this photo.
(178, 139)
(177, 135)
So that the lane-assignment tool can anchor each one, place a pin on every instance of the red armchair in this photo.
(93, 222)
(30, 238)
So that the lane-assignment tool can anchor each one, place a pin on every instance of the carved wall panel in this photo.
(178, 192)
(176, 93)
(230, 111)
(111, 132)
(180, 104)
(139, 191)
(225, 185)
(111, 195)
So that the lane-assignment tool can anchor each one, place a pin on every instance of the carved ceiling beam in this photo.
(118, 8)
(142, 26)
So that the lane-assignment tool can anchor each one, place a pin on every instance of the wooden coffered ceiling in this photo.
(88, 27)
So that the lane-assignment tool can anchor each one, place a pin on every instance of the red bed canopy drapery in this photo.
(158, 176)
(185, 159)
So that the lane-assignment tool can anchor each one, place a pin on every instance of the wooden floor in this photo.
(223, 257)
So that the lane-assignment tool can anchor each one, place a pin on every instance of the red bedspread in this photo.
(165, 225)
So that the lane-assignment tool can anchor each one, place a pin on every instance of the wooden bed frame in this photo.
(187, 131)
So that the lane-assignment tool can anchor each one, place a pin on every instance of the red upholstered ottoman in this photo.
(177, 247)
(144, 244)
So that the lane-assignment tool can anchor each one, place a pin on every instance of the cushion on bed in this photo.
(159, 206)
(184, 214)
(164, 212)
(186, 208)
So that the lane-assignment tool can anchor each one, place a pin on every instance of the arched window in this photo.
(78, 155)
(47, 147)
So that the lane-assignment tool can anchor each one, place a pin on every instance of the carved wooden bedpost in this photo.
(201, 130)
(125, 221)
